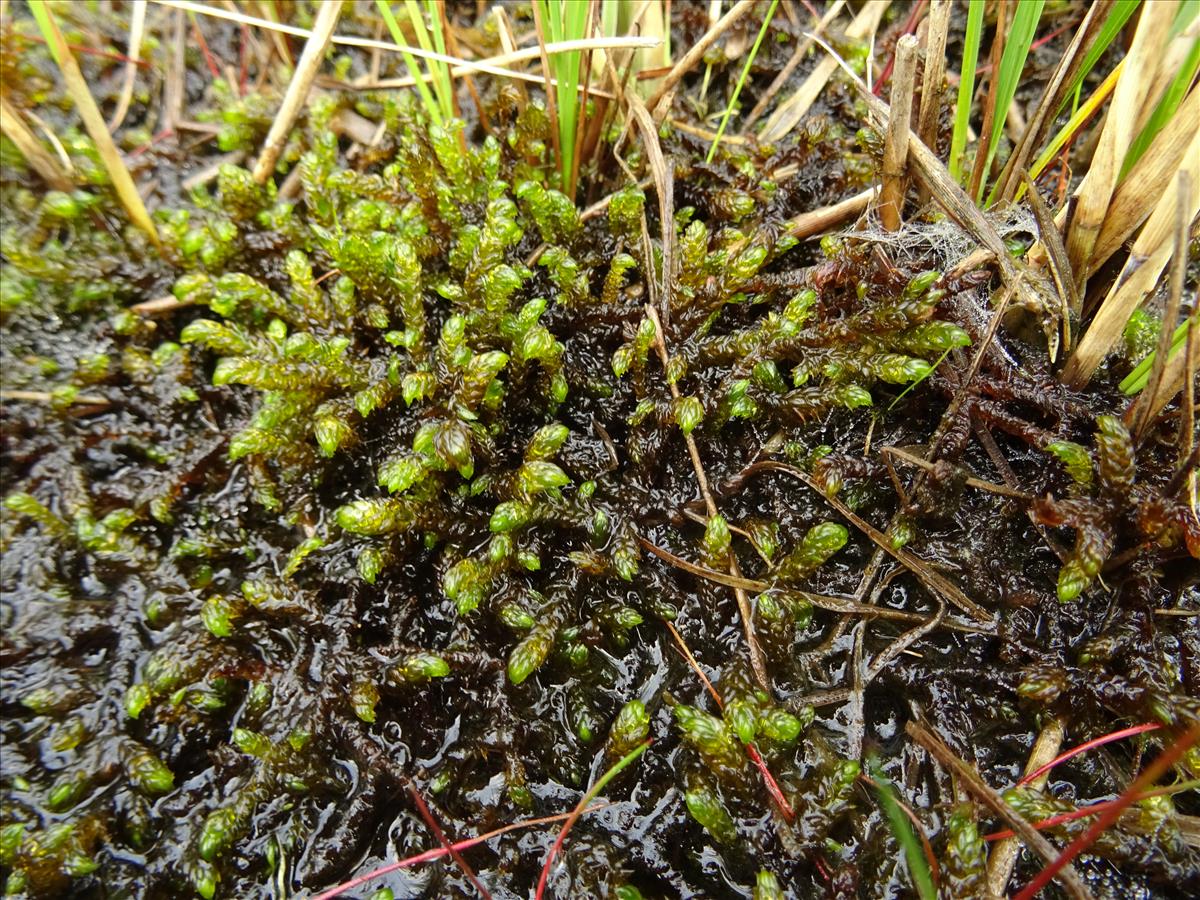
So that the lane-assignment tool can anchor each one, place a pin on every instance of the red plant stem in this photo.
(439, 852)
(909, 26)
(92, 51)
(1088, 745)
(1083, 813)
(162, 135)
(1152, 773)
(423, 808)
(751, 750)
(578, 811)
(1040, 42)
(772, 784)
(208, 57)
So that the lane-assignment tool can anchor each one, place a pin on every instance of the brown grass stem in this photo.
(940, 751)
(297, 90)
(895, 148)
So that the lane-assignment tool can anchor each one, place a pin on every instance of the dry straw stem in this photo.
(1060, 266)
(934, 72)
(494, 65)
(1159, 390)
(1004, 856)
(789, 67)
(931, 579)
(1146, 181)
(137, 26)
(969, 778)
(1132, 92)
(94, 122)
(1139, 275)
(39, 159)
(895, 148)
(789, 113)
(816, 221)
(1033, 135)
(696, 53)
(298, 87)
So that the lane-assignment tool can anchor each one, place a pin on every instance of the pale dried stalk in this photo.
(1096, 191)
(934, 72)
(1004, 856)
(815, 221)
(297, 91)
(1153, 397)
(789, 67)
(1032, 134)
(493, 65)
(696, 53)
(971, 779)
(39, 159)
(895, 148)
(1139, 275)
(77, 87)
(789, 113)
(137, 25)
(1060, 266)
(1144, 184)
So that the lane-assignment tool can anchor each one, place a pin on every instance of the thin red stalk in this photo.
(162, 135)
(751, 751)
(208, 57)
(423, 808)
(1152, 773)
(439, 852)
(935, 870)
(612, 772)
(910, 26)
(1081, 813)
(243, 60)
(772, 784)
(1088, 745)
(92, 51)
(1040, 42)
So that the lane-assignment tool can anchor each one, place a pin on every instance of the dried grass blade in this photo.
(77, 87)
(895, 148)
(297, 91)
(1060, 266)
(137, 27)
(934, 72)
(789, 113)
(1010, 176)
(966, 774)
(1140, 189)
(1138, 277)
(13, 126)
(1143, 410)
(1096, 191)
(696, 53)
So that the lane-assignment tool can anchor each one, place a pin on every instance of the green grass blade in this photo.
(1166, 108)
(1136, 380)
(1120, 13)
(442, 70)
(437, 70)
(414, 70)
(762, 32)
(914, 855)
(1012, 64)
(966, 87)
